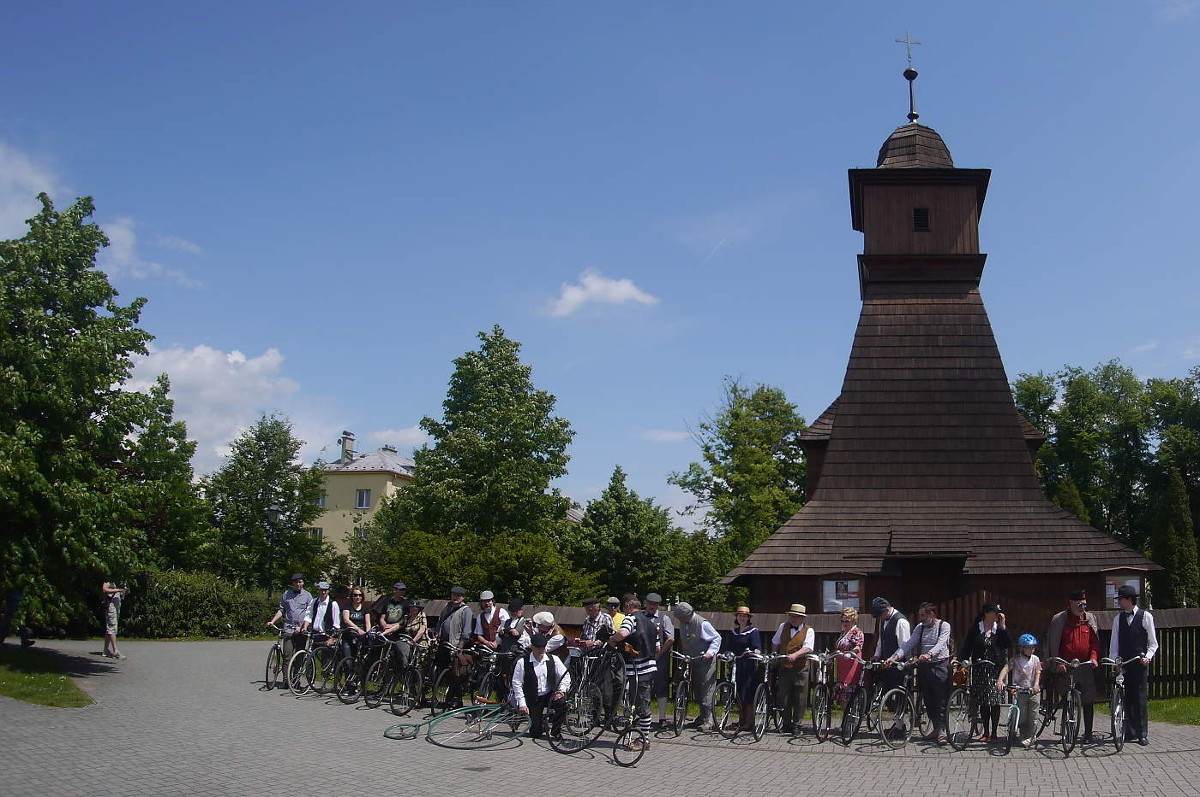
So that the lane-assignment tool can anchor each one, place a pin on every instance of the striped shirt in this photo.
(636, 665)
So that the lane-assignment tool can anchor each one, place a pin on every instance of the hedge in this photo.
(177, 603)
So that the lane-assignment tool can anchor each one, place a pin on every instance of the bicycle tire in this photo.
(872, 707)
(299, 673)
(374, 685)
(724, 701)
(852, 716)
(440, 695)
(894, 718)
(1117, 716)
(470, 731)
(274, 667)
(679, 712)
(1070, 728)
(345, 680)
(822, 712)
(483, 692)
(762, 711)
(629, 747)
(407, 693)
(583, 722)
(919, 716)
(960, 719)
(324, 664)
(1013, 733)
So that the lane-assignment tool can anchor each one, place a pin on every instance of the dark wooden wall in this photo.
(888, 219)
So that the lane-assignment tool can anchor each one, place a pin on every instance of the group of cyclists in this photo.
(628, 654)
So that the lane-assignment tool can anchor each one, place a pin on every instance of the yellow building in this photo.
(355, 484)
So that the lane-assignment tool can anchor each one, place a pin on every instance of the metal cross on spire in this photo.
(908, 41)
(910, 75)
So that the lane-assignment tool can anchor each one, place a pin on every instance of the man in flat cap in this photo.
(700, 642)
(665, 631)
(1073, 634)
(489, 620)
(454, 630)
(293, 609)
(539, 682)
(1134, 637)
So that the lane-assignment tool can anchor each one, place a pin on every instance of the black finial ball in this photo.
(910, 74)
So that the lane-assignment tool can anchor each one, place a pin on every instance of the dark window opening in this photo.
(920, 219)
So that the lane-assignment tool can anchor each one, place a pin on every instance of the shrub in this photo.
(177, 603)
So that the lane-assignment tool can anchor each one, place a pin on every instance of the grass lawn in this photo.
(35, 677)
(1180, 710)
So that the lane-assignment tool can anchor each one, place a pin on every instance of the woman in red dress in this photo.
(850, 641)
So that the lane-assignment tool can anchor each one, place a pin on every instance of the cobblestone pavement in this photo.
(189, 718)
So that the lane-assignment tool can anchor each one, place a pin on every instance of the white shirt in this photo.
(778, 641)
(903, 632)
(316, 615)
(479, 621)
(1151, 636)
(1024, 669)
(517, 695)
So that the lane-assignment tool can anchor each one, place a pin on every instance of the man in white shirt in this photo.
(489, 620)
(540, 681)
(1133, 636)
(795, 639)
(891, 631)
(324, 616)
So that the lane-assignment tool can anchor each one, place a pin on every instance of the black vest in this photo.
(506, 642)
(1132, 639)
(529, 682)
(327, 628)
(644, 638)
(889, 643)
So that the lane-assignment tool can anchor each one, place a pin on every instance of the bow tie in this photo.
(1127, 615)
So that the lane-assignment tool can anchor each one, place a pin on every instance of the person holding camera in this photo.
(111, 595)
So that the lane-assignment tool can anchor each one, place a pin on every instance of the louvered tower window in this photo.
(920, 219)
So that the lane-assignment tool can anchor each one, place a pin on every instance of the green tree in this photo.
(263, 471)
(1175, 407)
(1173, 545)
(493, 455)
(626, 539)
(67, 507)
(750, 479)
(1067, 496)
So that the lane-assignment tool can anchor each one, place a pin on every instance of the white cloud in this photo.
(404, 437)
(1175, 10)
(666, 436)
(21, 180)
(1142, 348)
(219, 394)
(122, 259)
(595, 287)
(177, 244)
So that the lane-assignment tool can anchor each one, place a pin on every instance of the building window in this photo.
(360, 581)
(321, 500)
(1113, 582)
(920, 219)
(841, 593)
(362, 499)
(315, 533)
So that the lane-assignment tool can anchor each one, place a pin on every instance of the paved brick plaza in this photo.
(189, 718)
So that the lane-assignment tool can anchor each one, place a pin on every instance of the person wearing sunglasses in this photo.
(356, 621)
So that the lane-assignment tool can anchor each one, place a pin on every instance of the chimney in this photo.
(391, 449)
(347, 443)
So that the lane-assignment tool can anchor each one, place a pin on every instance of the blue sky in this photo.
(325, 204)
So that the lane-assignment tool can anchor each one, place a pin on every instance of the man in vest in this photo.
(489, 620)
(891, 631)
(795, 639)
(1133, 635)
(513, 634)
(700, 642)
(540, 681)
(637, 637)
(324, 617)
(1074, 634)
(930, 646)
(665, 631)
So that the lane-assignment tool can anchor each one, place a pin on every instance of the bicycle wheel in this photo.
(1013, 736)
(482, 693)
(345, 681)
(852, 717)
(822, 712)
(629, 747)
(324, 664)
(375, 684)
(921, 724)
(960, 718)
(1116, 711)
(407, 693)
(724, 702)
(583, 721)
(274, 667)
(1070, 720)
(468, 729)
(762, 711)
(299, 672)
(894, 718)
(873, 708)
(681, 706)
(440, 696)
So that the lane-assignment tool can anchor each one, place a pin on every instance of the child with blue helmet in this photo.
(1026, 670)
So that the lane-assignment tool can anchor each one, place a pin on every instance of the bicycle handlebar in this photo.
(1118, 663)
(1073, 663)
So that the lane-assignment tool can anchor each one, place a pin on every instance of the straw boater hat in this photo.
(798, 608)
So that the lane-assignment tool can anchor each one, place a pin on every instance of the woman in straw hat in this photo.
(742, 639)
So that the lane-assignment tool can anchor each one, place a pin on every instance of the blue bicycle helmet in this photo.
(1027, 639)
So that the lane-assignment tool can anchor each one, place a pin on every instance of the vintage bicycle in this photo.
(1116, 698)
